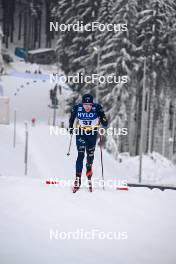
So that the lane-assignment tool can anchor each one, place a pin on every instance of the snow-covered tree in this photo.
(74, 47)
(151, 33)
(154, 29)
(118, 60)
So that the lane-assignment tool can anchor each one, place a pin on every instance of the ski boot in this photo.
(89, 176)
(89, 184)
(89, 172)
(77, 183)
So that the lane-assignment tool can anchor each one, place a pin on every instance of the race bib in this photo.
(87, 119)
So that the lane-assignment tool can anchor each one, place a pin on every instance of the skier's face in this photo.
(87, 107)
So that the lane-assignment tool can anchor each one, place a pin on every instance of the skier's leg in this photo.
(90, 158)
(80, 143)
(79, 162)
(90, 149)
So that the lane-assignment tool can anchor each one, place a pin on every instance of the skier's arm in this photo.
(72, 118)
(102, 116)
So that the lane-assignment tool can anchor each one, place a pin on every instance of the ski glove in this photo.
(101, 115)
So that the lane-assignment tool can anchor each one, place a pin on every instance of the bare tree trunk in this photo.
(154, 122)
(20, 25)
(40, 29)
(154, 109)
(25, 28)
(138, 124)
(6, 20)
(29, 36)
(165, 118)
(48, 33)
(32, 34)
(36, 33)
(12, 12)
(126, 138)
(142, 122)
(172, 127)
(150, 119)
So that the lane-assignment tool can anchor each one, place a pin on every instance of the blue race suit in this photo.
(88, 123)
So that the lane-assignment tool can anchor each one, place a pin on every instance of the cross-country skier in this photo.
(89, 116)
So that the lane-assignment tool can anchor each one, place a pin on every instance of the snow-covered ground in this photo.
(30, 209)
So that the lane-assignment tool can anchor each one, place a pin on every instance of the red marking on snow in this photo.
(122, 188)
(52, 182)
(33, 121)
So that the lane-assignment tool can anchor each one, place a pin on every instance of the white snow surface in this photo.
(30, 209)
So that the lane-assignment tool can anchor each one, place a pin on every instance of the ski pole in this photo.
(68, 153)
(14, 129)
(26, 147)
(102, 170)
